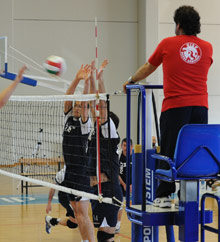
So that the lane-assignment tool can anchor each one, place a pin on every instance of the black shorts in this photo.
(109, 212)
(171, 121)
(74, 198)
(65, 202)
(77, 180)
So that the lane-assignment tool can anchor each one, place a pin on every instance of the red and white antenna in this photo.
(98, 166)
(96, 47)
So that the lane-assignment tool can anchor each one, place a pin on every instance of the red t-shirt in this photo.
(186, 60)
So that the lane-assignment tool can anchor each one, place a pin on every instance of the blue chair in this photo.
(197, 154)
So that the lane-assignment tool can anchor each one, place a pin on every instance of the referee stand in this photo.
(144, 216)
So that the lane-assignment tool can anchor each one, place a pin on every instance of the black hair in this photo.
(188, 19)
(125, 140)
(114, 118)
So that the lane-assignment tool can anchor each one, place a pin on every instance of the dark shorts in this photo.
(74, 198)
(65, 202)
(171, 121)
(109, 212)
(77, 180)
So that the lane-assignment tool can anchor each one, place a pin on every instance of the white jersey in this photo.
(60, 176)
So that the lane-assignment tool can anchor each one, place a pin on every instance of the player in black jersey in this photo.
(105, 215)
(63, 198)
(75, 137)
(122, 176)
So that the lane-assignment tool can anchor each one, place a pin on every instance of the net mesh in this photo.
(32, 138)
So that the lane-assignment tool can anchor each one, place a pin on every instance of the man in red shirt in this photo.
(186, 60)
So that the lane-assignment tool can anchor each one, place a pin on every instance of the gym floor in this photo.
(22, 218)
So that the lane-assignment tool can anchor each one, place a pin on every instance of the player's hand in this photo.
(48, 208)
(101, 69)
(19, 77)
(92, 66)
(124, 86)
(83, 72)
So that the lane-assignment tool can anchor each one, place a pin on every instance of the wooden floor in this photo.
(25, 223)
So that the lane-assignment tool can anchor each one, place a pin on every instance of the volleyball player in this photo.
(69, 220)
(6, 93)
(122, 175)
(75, 137)
(105, 215)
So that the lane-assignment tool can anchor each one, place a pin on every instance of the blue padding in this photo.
(25, 80)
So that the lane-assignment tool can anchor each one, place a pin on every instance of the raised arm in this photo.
(6, 93)
(81, 74)
(101, 88)
(143, 72)
(84, 111)
(92, 90)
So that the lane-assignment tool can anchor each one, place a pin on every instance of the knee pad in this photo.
(102, 236)
(71, 225)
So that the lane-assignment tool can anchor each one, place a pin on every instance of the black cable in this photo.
(109, 143)
(156, 119)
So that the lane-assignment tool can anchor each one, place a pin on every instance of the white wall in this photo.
(128, 32)
(67, 28)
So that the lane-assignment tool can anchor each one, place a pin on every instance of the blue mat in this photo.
(26, 199)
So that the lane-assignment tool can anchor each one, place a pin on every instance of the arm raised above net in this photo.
(80, 75)
(92, 90)
(101, 88)
(6, 93)
(85, 111)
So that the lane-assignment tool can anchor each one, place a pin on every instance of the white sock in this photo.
(118, 224)
(84, 241)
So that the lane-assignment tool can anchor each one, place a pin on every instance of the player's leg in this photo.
(118, 225)
(106, 234)
(171, 121)
(105, 215)
(70, 221)
(85, 225)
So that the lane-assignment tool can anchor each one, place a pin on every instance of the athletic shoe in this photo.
(162, 202)
(48, 224)
(177, 204)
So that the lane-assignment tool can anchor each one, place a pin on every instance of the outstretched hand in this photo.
(101, 69)
(19, 77)
(83, 72)
(92, 66)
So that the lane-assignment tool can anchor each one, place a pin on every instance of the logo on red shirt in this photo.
(190, 52)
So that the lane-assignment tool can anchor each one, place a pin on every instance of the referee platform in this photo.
(197, 157)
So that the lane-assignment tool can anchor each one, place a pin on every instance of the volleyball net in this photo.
(36, 141)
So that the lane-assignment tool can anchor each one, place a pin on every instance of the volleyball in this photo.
(55, 65)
